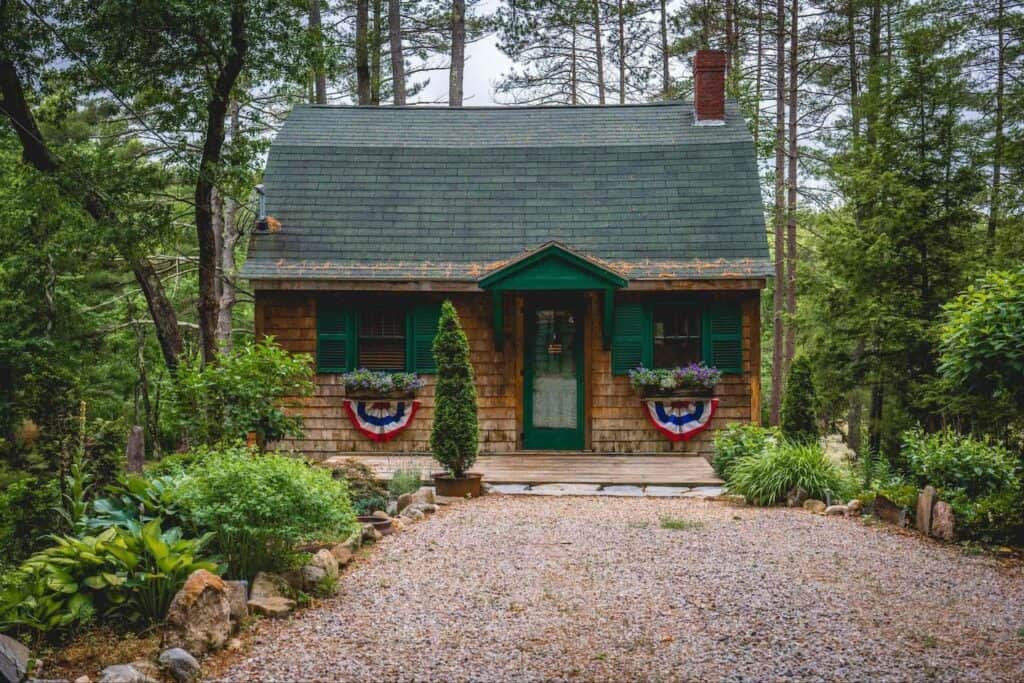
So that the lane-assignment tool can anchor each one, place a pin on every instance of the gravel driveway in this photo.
(530, 588)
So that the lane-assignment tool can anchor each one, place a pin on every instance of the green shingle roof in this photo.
(407, 193)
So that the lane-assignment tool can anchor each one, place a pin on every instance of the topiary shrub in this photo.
(798, 419)
(454, 436)
(367, 493)
(259, 507)
(738, 441)
(765, 479)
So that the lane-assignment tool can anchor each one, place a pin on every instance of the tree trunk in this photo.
(622, 52)
(875, 419)
(791, 254)
(319, 77)
(395, 44)
(758, 76)
(376, 45)
(599, 53)
(778, 299)
(997, 142)
(36, 154)
(851, 37)
(216, 114)
(458, 66)
(666, 79)
(230, 234)
(573, 77)
(362, 51)
(135, 451)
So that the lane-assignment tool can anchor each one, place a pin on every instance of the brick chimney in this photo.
(709, 87)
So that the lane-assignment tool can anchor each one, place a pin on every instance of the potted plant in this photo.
(454, 435)
(371, 384)
(693, 380)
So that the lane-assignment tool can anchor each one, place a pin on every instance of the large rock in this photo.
(181, 666)
(796, 497)
(413, 513)
(836, 510)
(274, 608)
(814, 505)
(853, 507)
(943, 521)
(123, 673)
(925, 502)
(238, 596)
(888, 511)
(13, 660)
(424, 494)
(326, 560)
(199, 618)
(306, 578)
(370, 534)
(342, 554)
(267, 585)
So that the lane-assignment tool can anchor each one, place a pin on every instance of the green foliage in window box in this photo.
(365, 490)
(259, 507)
(695, 377)
(128, 573)
(798, 419)
(380, 383)
(243, 392)
(454, 436)
(738, 441)
(765, 479)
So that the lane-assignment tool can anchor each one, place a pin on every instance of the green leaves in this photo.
(454, 434)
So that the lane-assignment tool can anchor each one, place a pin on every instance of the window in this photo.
(381, 341)
(378, 335)
(676, 335)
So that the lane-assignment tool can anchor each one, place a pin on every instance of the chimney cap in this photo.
(710, 60)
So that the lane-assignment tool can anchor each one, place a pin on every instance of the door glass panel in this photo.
(554, 370)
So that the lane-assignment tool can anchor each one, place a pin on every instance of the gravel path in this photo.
(526, 588)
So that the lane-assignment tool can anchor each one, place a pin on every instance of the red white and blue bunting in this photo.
(381, 420)
(680, 420)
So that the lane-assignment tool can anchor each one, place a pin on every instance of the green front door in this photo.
(553, 384)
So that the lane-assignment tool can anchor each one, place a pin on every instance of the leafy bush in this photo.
(260, 506)
(405, 481)
(241, 393)
(130, 573)
(137, 500)
(766, 478)
(365, 490)
(993, 518)
(953, 462)
(454, 436)
(381, 382)
(26, 507)
(739, 441)
(695, 376)
(798, 419)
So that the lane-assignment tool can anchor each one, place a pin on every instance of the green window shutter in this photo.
(335, 337)
(631, 338)
(723, 337)
(422, 330)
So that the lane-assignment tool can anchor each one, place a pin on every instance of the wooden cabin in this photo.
(576, 242)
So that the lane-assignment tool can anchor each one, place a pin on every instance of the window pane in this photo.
(676, 336)
(382, 339)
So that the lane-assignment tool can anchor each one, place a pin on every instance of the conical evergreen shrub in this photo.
(799, 420)
(454, 436)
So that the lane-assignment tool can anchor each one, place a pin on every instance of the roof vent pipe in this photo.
(709, 87)
(261, 215)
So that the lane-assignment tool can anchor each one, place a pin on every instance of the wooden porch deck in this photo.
(560, 468)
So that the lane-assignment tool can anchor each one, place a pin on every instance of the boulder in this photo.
(273, 608)
(326, 561)
(267, 585)
(943, 521)
(925, 502)
(13, 660)
(179, 664)
(836, 510)
(123, 673)
(424, 494)
(83, 679)
(371, 535)
(148, 669)
(305, 578)
(814, 505)
(199, 618)
(854, 507)
(888, 511)
(238, 595)
(796, 497)
(342, 553)
(413, 513)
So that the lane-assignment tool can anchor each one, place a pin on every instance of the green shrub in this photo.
(405, 481)
(136, 500)
(26, 508)
(365, 490)
(993, 518)
(239, 394)
(953, 462)
(798, 419)
(131, 574)
(260, 506)
(738, 441)
(454, 436)
(765, 479)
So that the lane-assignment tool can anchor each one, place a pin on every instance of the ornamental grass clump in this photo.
(454, 436)
(765, 479)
